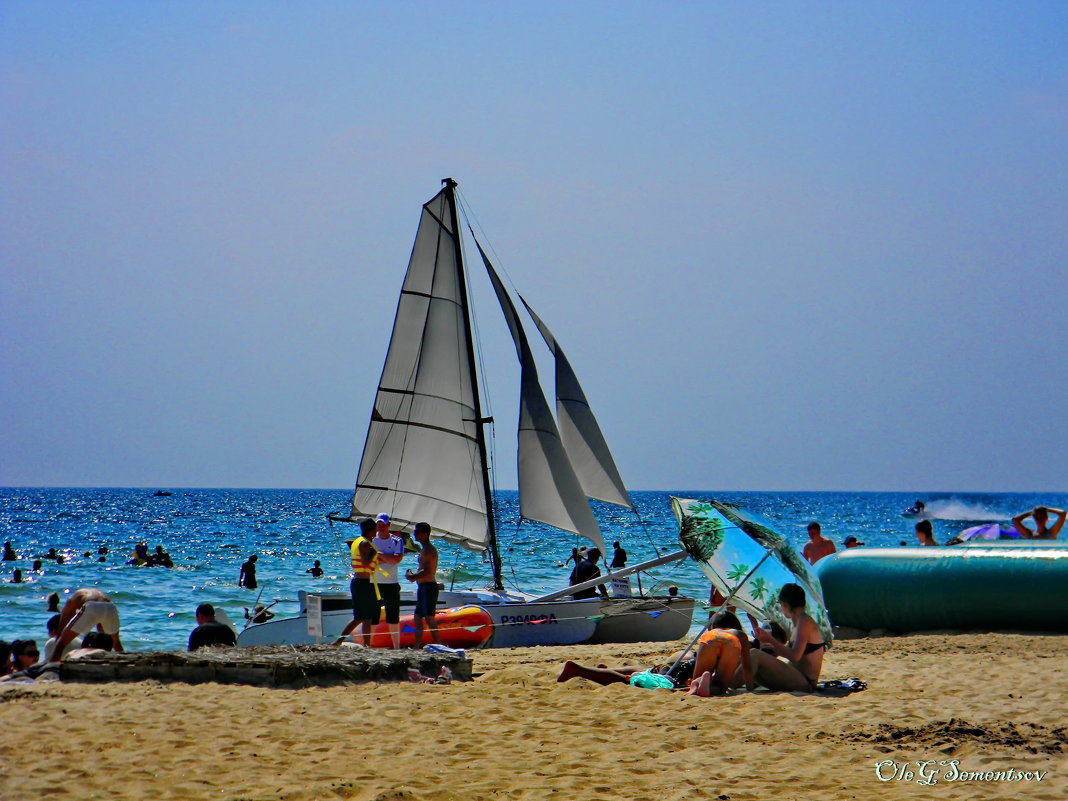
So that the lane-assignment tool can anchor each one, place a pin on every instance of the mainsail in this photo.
(582, 437)
(421, 459)
(549, 490)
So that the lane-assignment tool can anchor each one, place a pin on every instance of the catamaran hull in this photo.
(644, 620)
(519, 623)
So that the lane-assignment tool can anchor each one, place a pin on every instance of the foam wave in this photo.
(955, 509)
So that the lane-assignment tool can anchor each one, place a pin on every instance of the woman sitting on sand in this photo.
(721, 651)
(804, 652)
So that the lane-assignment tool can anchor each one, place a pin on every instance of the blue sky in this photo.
(801, 246)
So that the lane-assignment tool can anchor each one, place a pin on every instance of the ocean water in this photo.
(210, 532)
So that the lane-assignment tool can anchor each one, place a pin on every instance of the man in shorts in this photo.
(426, 579)
(85, 610)
(390, 549)
(365, 604)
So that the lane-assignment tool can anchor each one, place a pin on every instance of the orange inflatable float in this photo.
(460, 627)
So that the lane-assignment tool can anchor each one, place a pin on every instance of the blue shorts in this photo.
(426, 599)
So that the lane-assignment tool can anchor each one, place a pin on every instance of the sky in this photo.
(791, 246)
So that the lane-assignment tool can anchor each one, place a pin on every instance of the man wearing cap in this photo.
(852, 542)
(390, 550)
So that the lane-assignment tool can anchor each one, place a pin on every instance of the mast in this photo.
(480, 421)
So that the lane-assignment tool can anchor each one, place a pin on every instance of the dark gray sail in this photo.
(586, 445)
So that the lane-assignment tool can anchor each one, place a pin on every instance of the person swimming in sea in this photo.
(925, 533)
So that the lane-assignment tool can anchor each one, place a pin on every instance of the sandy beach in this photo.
(976, 702)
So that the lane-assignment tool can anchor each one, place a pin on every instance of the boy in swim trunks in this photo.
(85, 609)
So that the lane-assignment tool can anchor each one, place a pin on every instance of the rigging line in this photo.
(477, 334)
(470, 215)
(346, 562)
(481, 382)
(511, 565)
(480, 387)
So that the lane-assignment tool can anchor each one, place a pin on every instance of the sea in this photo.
(209, 533)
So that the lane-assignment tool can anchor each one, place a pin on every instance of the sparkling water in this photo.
(209, 533)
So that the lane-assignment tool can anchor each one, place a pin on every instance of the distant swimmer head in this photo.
(1040, 514)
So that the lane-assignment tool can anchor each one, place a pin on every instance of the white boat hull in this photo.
(517, 622)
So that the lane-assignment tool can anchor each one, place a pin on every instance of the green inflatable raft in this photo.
(1021, 586)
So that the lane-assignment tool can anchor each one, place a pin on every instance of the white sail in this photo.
(421, 459)
(549, 490)
(582, 437)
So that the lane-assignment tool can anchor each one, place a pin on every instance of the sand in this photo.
(990, 702)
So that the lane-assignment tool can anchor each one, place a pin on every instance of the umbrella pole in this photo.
(724, 605)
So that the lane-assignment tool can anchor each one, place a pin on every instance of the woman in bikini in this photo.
(799, 669)
(722, 651)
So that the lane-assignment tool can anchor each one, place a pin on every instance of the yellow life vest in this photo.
(358, 567)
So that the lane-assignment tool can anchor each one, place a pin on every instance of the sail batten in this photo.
(586, 446)
(549, 490)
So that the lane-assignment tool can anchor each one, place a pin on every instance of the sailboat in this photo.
(425, 457)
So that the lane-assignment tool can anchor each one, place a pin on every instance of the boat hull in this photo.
(516, 622)
(974, 587)
(643, 620)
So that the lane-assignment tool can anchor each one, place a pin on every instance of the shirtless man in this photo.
(426, 579)
(85, 609)
(817, 546)
(1043, 531)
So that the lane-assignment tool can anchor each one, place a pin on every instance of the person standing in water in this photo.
(925, 533)
(817, 546)
(426, 579)
(619, 556)
(1043, 530)
(247, 577)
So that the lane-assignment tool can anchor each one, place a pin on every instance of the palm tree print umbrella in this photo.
(747, 559)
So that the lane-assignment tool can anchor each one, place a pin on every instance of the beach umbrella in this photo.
(747, 560)
(990, 531)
